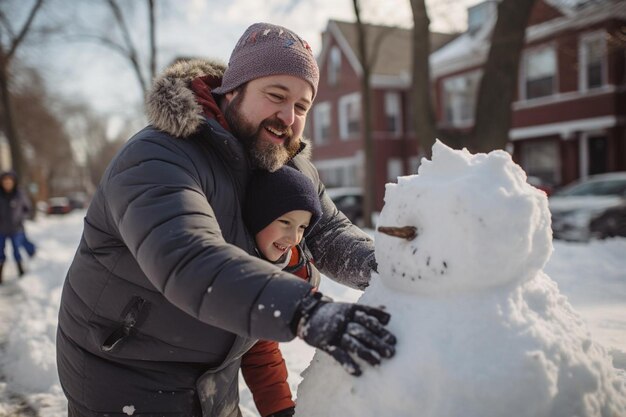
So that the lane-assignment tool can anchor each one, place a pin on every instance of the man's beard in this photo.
(263, 153)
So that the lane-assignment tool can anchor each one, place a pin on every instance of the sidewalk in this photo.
(11, 295)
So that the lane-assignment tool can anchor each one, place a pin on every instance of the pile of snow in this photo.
(482, 330)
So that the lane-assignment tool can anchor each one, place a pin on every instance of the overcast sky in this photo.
(206, 28)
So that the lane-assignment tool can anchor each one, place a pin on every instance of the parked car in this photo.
(540, 185)
(59, 205)
(348, 200)
(580, 211)
(78, 200)
(611, 223)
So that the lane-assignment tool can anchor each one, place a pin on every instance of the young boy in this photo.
(280, 208)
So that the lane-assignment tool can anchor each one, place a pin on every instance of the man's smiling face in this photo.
(268, 115)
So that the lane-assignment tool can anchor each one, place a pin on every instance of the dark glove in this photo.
(343, 328)
(287, 412)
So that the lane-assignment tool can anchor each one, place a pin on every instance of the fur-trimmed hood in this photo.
(171, 104)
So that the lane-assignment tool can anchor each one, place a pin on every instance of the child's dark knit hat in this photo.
(265, 49)
(272, 194)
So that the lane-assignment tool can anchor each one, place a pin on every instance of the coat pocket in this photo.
(131, 316)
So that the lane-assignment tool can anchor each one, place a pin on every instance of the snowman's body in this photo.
(482, 331)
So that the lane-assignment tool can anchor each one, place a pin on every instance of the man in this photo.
(164, 286)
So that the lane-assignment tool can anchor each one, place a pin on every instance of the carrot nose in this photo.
(405, 232)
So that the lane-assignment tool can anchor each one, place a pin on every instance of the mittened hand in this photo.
(340, 329)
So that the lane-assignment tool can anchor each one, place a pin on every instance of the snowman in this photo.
(482, 330)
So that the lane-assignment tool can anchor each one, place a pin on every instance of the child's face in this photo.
(280, 235)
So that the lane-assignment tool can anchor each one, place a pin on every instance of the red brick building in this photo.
(335, 120)
(569, 118)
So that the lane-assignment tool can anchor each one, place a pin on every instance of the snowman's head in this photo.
(465, 222)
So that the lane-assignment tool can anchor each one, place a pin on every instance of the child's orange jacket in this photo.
(263, 366)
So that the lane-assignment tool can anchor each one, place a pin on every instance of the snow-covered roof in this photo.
(570, 7)
(467, 50)
(471, 49)
(585, 15)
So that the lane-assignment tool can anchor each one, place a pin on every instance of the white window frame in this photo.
(414, 164)
(583, 59)
(556, 168)
(395, 169)
(322, 113)
(344, 102)
(583, 150)
(334, 66)
(456, 120)
(393, 104)
(522, 79)
(345, 172)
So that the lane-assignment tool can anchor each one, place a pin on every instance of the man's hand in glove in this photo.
(343, 328)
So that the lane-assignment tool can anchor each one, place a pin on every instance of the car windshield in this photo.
(596, 188)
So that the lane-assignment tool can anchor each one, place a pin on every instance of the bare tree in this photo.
(121, 40)
(42, 132)
(366, 126)
(367, 54)
(97, 164)
(92, 142)
(492, 119)
(498, 86)
(14, 39)
(128, 49)
(423, 114)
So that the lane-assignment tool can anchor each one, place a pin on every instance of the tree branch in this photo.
(152, 29)
(423, 112)
(22, 34)
(131, 50)
(7, 24)
(101, 40)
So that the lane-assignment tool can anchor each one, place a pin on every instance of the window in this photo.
(349, 116)
(592, 55)
(541, 159)
(414, 164)
(539, 73)
(338, 176)
(392, 112)
(321, 119)
(459, 98)
(307, 132)
(394, 169)
(334, 66)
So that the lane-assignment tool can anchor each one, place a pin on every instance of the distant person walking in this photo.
(14, 208)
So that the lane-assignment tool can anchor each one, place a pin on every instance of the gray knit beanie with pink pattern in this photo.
(265, 49)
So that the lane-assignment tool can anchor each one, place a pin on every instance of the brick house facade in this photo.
(568, 117)
(335, 120)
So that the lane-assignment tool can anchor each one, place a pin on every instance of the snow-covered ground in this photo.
(592, 276)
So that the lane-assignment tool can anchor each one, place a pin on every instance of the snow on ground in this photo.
(591, 275)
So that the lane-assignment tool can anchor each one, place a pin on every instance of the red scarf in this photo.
(201, 87)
